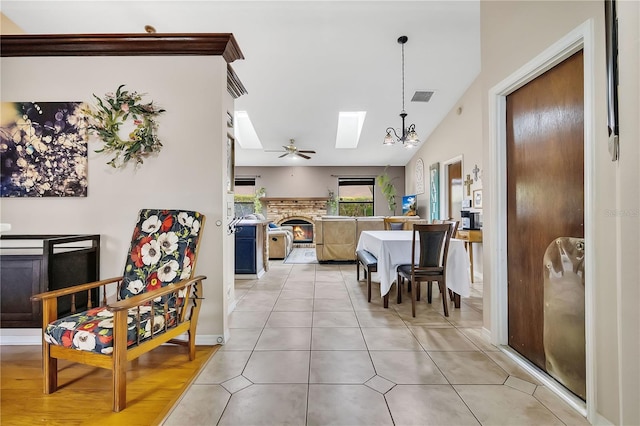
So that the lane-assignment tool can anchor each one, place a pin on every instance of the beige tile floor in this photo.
(306, 348)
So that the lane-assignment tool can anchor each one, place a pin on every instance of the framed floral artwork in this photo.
(43, 150)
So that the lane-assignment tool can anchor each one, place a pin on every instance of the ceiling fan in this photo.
(291, 149)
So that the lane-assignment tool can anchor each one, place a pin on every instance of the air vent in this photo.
(422, 96)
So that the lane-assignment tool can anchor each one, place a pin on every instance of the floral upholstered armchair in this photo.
(157, 300)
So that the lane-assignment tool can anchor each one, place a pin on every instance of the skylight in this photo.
(349, 129)
(245, 134)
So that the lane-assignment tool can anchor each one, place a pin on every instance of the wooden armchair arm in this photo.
(143, 298)
(74, 289)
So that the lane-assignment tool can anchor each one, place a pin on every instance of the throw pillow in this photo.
(272, 225)
(397, 226)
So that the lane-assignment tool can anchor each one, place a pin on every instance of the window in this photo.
(355, 196)
(244, 195)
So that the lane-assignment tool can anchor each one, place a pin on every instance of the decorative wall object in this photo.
(43, 150)
(419, 176)
(477, 199)
(434, 191)
(122, 114)
(231, 163)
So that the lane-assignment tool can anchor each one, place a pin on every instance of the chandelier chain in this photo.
(403, 77)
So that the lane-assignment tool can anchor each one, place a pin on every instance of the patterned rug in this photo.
(301, 255)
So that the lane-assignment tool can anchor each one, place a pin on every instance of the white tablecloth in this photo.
(393, 248)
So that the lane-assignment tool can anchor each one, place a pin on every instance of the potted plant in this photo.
(332, 204)
(257, 202)
(388, 190)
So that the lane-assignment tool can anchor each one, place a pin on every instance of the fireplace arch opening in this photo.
(302, 230)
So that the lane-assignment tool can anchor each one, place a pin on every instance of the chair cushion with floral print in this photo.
(162, 252)
(92, 330)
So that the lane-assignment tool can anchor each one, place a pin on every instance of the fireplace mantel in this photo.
(293, 199)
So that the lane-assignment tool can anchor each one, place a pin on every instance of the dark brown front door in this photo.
(545, 190)
(454, 186)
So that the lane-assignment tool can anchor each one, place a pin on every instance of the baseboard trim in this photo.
(202, 340)
(209, 339)
(21, 340)
(564, 394)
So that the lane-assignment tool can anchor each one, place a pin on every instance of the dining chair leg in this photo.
(413, 302)
(417, 286)
(399, 284)
(429, 292)
(358, 270)
(369, 288)
(443, 291)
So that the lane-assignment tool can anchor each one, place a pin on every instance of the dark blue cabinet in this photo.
(249, 248)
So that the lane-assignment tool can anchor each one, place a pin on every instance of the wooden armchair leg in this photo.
(50, 370)
(195, 314)
(119, 367)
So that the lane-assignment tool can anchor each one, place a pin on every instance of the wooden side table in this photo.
(470, 236)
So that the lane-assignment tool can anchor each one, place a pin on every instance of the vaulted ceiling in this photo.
(306, 61)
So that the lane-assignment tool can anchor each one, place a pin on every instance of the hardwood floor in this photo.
(155, 381)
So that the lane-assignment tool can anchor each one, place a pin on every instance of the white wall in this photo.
(188, 173)
(458, 135)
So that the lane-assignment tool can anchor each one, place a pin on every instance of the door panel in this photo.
(545, 191)
(454, 190)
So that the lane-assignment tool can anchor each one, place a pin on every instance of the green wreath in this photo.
(109, 115)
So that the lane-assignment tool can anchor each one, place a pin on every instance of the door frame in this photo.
(581, 37)
(444, 180)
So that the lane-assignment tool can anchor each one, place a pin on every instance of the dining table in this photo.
(393, 248)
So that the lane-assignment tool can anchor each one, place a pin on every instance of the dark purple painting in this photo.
(43, 150)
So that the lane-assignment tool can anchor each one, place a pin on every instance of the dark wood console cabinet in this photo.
(31, 264)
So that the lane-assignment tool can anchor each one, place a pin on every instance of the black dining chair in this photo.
(430, 266)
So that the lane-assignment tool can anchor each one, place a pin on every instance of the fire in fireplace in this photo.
(302, 230)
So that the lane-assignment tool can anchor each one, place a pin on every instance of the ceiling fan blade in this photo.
(302, 155)
(273, 150)
(307, 152)
(284, 155)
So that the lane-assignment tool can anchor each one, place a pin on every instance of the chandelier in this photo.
(409, 137)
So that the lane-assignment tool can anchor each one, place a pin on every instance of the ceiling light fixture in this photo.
(409, 136)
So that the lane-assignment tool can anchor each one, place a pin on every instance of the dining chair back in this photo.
(454, 226)
(430, 264)
(394, 223)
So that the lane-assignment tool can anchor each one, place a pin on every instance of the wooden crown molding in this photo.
(234, 85)
(155, 44)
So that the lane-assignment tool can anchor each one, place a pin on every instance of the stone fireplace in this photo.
(298, 210)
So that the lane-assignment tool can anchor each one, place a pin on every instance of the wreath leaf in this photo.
(107, 117)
